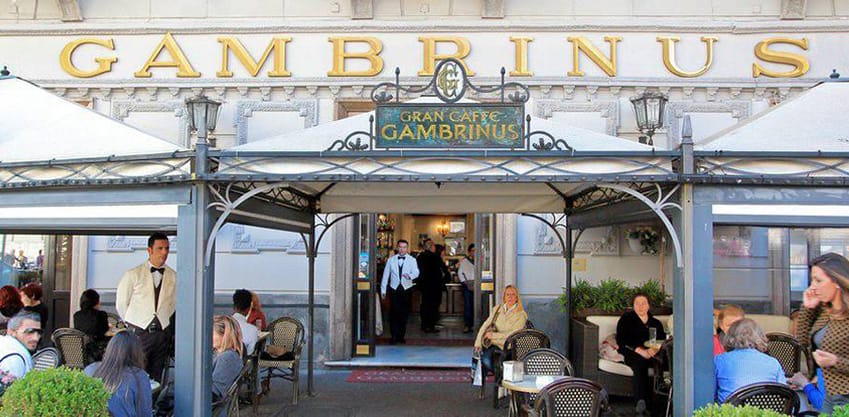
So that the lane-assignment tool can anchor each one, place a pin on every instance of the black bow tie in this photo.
(155, 269)
(401, 258)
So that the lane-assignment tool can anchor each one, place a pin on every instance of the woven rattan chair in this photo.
(516, 347)
(228, 406)
(663, 373)
(545, 361)
(570, 397)
(766, 396)
(787, 350)
(71, 344)
(288, 333)
(46, 358)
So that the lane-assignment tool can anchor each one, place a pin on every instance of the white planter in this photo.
(635, 245)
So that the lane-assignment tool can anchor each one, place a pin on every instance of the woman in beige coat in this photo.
(507, 317)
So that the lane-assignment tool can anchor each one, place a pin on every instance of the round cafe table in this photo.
(530, 384)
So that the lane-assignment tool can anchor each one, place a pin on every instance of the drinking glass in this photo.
(652, 335)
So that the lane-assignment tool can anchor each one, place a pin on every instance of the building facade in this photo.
(284, 66)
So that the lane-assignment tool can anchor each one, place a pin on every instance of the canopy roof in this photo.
(814, 121)
(38, 128)
(321, 137)
(41, 126)
(438, 180)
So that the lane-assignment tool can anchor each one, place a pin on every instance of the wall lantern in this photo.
(650, 110)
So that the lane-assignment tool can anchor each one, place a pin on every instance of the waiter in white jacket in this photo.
(401, 269)
(145, 301)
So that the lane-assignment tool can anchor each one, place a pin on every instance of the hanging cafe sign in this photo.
(449, 123)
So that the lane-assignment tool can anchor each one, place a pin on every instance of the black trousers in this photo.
(157, 349)
(431, 299)
(641, 382)
(398, 312)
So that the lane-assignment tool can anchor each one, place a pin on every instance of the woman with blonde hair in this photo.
(227, 354)
(823, 325)
(505, 319)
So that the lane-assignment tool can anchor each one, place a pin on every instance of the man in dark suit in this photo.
(401, 269)
(430, 283)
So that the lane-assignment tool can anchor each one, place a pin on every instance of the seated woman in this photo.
(93, 322)
(728, 315)
(31, 298)
(10, 302)
(123, 375)
(256, 315)
(504, 319)
(227, 354)
(632, 332)
(744, 362)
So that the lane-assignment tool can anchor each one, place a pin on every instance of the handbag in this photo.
(491, 328)
(477, 370)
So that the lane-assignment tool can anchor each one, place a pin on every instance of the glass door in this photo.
(485, 279)
(365, 285)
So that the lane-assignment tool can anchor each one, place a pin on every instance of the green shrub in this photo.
(610, 295)
(58, 392)
(583, 296)
(613, 295)
(841, 411)
(726, 410)
(651, 288)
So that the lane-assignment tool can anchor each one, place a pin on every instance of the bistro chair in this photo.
(516, 347)
(663, 377)
(228, 406)
(286, 333)
(46, 358)
(766, 396)
(569, 397)
(545, 361)
(252, 380)
(71, 344)
(787, 350)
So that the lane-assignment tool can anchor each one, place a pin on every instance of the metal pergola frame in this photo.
(234, 190)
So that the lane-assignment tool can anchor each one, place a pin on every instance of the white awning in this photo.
(36, 125)
(813, 121)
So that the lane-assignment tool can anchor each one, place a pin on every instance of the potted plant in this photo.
(727, 410)
(643, 240)
(60, 392)
(611, 297)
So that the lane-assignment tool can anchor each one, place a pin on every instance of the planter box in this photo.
(583, 313)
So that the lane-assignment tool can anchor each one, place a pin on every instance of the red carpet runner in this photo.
(408, 376)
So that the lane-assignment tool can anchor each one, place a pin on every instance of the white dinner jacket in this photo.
(135, 298)
(410, 267)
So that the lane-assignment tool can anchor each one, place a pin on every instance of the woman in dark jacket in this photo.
(93, 322)
(632, 332)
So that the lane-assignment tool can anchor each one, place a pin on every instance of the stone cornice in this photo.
(635, 24)
(367, 83)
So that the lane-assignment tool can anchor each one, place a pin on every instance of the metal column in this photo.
(312, 249)
(195, 292)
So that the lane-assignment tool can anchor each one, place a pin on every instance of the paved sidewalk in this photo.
(337, 398)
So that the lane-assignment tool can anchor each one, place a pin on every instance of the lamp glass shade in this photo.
(199, 105)
(649, 109)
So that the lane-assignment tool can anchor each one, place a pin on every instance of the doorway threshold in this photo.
(411, 357)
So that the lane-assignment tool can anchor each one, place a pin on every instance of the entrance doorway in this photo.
(450, 233)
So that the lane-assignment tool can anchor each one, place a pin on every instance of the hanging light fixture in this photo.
(649, 108)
